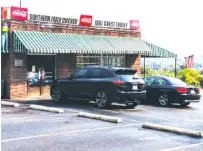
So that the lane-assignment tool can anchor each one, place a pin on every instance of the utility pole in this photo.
(20, 3)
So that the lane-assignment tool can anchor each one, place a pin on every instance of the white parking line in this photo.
(183, 147)
(35, 117)
(62, 133)
(157, 118)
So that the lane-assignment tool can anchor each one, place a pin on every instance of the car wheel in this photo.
(184, 104)
(56, 95)
(101, 99)
(163, 100)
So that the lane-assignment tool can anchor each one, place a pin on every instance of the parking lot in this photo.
(26, 129)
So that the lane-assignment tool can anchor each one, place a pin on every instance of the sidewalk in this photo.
(29, 100)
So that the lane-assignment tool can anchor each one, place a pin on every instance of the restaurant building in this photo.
(36, 49)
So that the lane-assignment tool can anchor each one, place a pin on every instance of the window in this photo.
(97, 73)
(80, 73)
(84, 60)
(148, 81)
(175, 81)
(159, 81)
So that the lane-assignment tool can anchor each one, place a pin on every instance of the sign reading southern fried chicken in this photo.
(53, 19)
(112, 24)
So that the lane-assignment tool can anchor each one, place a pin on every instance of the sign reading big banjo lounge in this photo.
(53, 19)
(111, 24)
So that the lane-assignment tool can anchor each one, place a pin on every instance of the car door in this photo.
(148, 81)
(77, 82)
(159, 85)
(96, 78)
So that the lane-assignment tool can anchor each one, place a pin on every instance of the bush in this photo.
(190, 76)
(200, 79)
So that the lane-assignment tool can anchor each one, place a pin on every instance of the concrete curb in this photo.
(173, 129)
(44, 108)
(10, 104)
(100, 117)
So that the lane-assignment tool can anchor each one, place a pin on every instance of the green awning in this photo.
(4, 42)
(159, 52)
(44, 42)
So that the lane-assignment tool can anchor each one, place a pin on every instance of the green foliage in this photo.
(190, 76)
(200, 79)
(150, 72)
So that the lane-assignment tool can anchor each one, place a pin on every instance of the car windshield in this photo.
(175, 81)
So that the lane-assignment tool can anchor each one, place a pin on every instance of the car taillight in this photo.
(197, 90)
(182, 90)
(118, 82)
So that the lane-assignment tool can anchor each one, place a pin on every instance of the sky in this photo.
(176, 25)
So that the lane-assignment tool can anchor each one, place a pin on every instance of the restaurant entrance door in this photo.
(41, 72)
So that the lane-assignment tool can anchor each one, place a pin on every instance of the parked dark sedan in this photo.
(101, 84)
(165, 90)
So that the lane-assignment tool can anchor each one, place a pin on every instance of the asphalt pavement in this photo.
(24, 129)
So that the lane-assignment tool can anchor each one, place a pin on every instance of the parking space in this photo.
(22, 127)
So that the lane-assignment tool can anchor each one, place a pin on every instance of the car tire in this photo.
(163, 100)
(101, 99)
(184, 104)
(57, 95)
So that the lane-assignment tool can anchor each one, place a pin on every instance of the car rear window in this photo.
(125, 72)
(127, 75)
(175, 81)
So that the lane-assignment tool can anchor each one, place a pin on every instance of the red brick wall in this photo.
(134, 62)
(17, 75)
(28, 26)
(66, 64)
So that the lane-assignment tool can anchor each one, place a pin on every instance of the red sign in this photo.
(19, 13)
(85, 20)
(134, 24)
(5, 13)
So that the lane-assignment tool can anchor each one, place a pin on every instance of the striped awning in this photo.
(4, 42)
(159, 52)
(44, 42)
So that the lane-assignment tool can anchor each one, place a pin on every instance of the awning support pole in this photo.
(101, 58)
(55, 64)
(175, 66)
(144, 67)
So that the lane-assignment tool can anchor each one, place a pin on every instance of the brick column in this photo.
(17, 74)
(134, 62)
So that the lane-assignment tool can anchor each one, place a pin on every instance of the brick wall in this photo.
(134, 62)
(66, 64)
(29, 26)
(17, 75)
